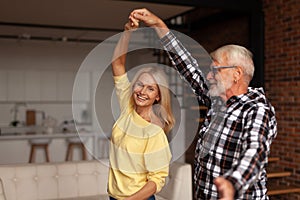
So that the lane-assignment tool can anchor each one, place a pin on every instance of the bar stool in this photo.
(39, 144)
(73, 143)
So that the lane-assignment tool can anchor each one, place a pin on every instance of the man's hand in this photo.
(149, 19)
(225, 188)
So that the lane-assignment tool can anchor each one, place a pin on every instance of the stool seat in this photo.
(75, 142)
(40, 143)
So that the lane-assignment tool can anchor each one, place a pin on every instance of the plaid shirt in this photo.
(235, 138)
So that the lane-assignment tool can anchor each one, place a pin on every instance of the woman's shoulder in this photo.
(156, 121)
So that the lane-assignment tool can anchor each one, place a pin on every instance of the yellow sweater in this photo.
(139, 150)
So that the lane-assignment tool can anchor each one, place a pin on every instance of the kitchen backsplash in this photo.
(60, 112)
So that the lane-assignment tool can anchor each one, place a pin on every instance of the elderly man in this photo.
(234, 141)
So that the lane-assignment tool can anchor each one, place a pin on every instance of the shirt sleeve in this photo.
(186, 66)
(122, 86)
(256, 144)
(157, 159)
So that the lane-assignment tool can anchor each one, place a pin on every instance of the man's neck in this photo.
(234, 91)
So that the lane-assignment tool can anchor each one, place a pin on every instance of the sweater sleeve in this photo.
(157, 159)
(122, 86)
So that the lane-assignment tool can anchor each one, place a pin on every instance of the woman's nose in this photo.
(143, 90)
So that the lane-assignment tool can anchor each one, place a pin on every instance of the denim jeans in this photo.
(150, 198)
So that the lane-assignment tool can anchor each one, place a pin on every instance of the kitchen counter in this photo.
(30, 136)
(26, 136)
(93, 146)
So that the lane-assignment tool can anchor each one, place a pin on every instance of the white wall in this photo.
(45, 56)
(30, 54)
(61, 56)
(41, 55)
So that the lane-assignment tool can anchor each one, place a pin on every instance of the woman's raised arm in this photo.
(120, 52)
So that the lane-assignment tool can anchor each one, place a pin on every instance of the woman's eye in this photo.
(138, 84)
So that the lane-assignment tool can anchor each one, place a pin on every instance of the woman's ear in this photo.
(157, 98)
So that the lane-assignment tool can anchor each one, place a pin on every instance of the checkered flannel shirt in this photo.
(235, 138)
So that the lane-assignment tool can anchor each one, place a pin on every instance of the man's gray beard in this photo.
(218, 90)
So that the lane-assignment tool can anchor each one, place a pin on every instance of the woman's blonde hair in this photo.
(161, 108)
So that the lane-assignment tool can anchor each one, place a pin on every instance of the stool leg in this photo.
(83, 151)
(32, 153)
(33, 149)
(47, 153)
(69, 152)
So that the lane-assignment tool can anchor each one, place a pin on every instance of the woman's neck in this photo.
(148, 115)
(145, 113)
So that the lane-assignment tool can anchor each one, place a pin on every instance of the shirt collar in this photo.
(252, 94)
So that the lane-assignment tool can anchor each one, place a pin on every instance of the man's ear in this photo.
(238, 73)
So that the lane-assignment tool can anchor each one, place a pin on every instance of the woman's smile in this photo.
(145, 90)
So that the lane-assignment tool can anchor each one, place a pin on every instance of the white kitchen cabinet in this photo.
(43, 86)
(65, 81)
(16, 85)
(48, 85)
(3, 85)
(32, 86)
(82, 84)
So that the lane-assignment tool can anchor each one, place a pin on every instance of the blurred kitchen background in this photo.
(42, 46)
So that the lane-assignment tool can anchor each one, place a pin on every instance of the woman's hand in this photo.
(132, 24)
(149, 19)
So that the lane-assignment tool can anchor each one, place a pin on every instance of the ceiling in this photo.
(72, 19)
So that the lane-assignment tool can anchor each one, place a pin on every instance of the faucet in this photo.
(15, 110)
(42, 113)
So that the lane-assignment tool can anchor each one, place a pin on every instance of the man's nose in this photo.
(210, 75)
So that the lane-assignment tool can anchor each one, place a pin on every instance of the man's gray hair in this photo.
(235, 55)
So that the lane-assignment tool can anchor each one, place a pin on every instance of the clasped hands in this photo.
(145, 16)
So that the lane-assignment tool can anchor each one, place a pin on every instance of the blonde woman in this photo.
(139, 149)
